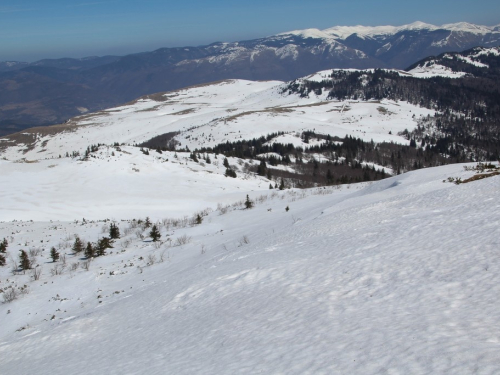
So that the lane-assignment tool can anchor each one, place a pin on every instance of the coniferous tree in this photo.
(329, 177)
(226, 163)
(54, 254)
(89, 251)
(114, 231)
(155, 233)
(248, 203)
(3, 246)
(103, 244)
(77, 245)
(262, 168)
(230, 173)
(3, 250)
(199, 219)
(282, 184)
(147, 223)
(24, 261)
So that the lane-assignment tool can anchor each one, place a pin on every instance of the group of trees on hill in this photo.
(467, 118)
(465, 127)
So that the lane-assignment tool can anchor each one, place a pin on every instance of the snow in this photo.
(66, 189)
(307, 33)
(231, 110)
(290, 50)
(468, 60)
(343, 32)
(431, 69)
(467, 27)
(397, 276)
(486, 51)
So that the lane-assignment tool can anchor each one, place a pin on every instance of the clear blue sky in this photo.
(36, 29)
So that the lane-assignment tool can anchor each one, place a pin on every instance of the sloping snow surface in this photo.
(400, 276)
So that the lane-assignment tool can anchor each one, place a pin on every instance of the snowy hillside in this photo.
(395, 276)
(473, 62)
(210, 114)
(41, 181)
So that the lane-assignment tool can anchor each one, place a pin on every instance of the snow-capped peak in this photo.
(343, 32)
(308, 33)
(417, 25)
(467, 27)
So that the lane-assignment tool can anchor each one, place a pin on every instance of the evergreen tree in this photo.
(155, 233)
(262, 168)
(24, 261)
(199, 219)
(287, 209)
(54, 254)
(282, 184)
(3, 246)
(147, 223)
(77, 245)
(248, 203)
(103, 244)
(226, 163)
(329, 177)
(89, 251)
(269, 175)
(114, 231)
(2, 260)
(270, 186)
(230, 173)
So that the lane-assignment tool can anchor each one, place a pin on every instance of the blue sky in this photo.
(32, 30)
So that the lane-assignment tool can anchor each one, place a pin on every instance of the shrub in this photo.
(182, 240)
(10, 295)
(230, 173)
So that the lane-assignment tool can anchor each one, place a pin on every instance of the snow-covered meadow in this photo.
(397, 276)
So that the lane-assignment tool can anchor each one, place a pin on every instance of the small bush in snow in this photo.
(10, 295)
(182, 240)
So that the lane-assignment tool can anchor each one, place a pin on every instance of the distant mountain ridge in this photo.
(52, 91)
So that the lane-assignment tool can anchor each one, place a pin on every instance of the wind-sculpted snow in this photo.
(397, 276)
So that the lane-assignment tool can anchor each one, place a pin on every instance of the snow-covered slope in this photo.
(41, 182)
(210, 114)
(458, 64)
(398, 276)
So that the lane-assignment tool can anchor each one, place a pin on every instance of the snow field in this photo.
(396, 276)
(124, 186)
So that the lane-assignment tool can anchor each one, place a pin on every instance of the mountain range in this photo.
(51, 91)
